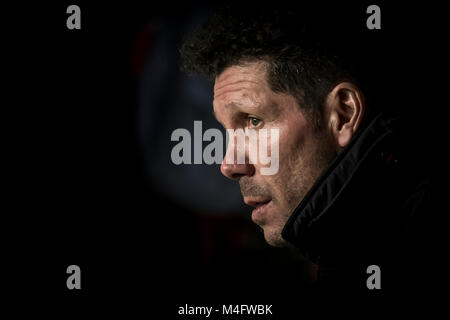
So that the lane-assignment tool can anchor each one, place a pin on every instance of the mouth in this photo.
(261, 206)
(256, 202)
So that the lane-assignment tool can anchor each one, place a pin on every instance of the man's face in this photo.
(243, 99)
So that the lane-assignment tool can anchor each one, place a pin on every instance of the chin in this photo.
(273, 238)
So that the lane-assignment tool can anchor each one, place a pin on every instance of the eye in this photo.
(254, 122)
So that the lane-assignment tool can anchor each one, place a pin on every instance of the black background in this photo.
(76, 190)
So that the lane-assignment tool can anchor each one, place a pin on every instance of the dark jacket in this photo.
(370, 207)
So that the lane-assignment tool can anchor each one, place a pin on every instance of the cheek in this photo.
(292, 140)
(292, 153)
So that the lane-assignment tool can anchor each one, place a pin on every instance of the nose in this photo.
(236, 171)
(236, 162)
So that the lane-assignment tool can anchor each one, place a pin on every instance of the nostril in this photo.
(237, 176)
(237, 171)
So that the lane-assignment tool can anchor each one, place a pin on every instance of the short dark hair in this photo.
(302, 50)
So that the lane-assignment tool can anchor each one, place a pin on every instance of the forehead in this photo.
(247, 81)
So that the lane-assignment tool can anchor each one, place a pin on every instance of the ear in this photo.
(346, 107)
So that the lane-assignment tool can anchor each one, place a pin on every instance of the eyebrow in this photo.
(228, 105)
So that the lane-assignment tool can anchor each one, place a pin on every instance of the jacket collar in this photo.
(319, 201)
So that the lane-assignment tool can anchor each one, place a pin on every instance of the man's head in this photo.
(267, 76)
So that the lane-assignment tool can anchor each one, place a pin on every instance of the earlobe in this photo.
(345, 135)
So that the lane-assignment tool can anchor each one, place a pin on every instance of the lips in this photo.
(261, 205)
(256, 202)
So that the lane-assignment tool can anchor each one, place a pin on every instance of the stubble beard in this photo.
(303, 172)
